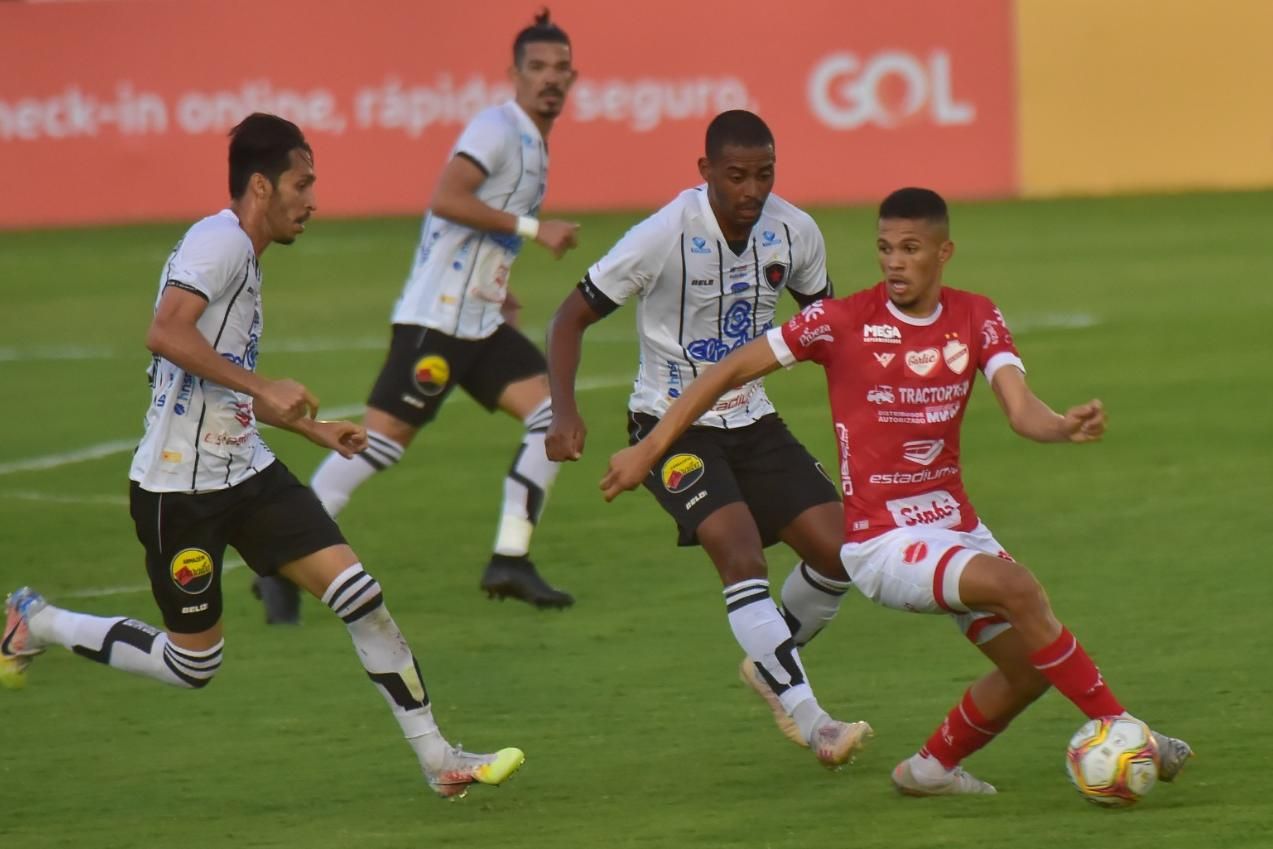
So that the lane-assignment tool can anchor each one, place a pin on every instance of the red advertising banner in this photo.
(117, 110)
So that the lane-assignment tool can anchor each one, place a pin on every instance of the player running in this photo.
(900, 360)
(707, 271)
(455, 324)
(202, 477)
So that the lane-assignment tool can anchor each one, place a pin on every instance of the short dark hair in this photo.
(543, 30)
(737, 127)
(262, 144)
(915, 204)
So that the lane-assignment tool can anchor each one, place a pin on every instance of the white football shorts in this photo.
(918, 569)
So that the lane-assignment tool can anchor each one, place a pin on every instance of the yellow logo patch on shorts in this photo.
(681, 471)
(431, 374)
(191, 570)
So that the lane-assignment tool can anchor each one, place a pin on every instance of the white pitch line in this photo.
(119, 446)
(54, 498)
(227, 565)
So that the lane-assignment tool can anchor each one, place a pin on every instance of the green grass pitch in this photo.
(1154, 545)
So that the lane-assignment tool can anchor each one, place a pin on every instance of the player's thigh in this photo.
(692, 480)
(184, 539)
(281, 521)
(420, 370)
(781, 481)
(509, 373)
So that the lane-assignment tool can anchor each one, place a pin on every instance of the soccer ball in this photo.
(1113, 761)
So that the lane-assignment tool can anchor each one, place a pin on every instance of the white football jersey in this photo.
(698, 300)
(460, 275)
(201, 436)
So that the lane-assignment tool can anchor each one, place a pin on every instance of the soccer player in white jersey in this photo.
(455, 322)
(707, 271)
(900, 360)
(202, 478)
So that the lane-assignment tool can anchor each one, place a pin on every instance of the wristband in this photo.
(527, 227)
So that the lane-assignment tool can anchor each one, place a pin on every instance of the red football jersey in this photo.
(899, 386)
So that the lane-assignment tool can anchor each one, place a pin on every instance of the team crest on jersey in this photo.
(191, 570)
(775, 273)
(431, 374)
(681, 471)
(922, 362)
(955, 353)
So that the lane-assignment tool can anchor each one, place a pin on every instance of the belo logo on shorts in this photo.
(431, 374)
(681, 471)
(191, 570)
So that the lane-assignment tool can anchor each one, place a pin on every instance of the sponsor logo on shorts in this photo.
(191, 570)
(915, 552)
(697, 498)
(822, 471)
(195, 608)
(680, 472)
(936, 509)
(955, 353)
(922, 362)
(431, 374)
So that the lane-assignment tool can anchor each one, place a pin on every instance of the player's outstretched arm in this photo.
(173, 335)
(566, 434)
(1030, 417)
(455, 199)
(630, 466)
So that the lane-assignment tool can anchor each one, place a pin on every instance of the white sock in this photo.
(127, 644)
(810, 601)
(765, 637)
(355, 597)
(336, 478)
(526, 486)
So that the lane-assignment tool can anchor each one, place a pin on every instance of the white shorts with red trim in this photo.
(918, 569)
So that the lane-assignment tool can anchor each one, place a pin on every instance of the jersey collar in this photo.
(524, 120)
(713, 226)
(910, 319)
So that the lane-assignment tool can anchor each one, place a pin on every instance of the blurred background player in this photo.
(900, 360)
(708, 270)
(455, 322)
(203, 478)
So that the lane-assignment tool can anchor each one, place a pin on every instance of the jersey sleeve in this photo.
(208, 262)
(486, 140)
(632, 265)
(997, 348)
(807, 335)
(809, 276)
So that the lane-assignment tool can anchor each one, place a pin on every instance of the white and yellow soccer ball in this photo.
(1113, 761)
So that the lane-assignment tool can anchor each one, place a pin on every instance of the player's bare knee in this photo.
(1022, 595)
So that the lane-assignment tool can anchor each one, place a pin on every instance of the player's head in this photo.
(272, 171)
(913, 244)
(543, 70)
(738, 167)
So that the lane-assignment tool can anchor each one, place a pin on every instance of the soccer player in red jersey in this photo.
(900, 359)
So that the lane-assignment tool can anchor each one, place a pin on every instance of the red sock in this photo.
(962, 732)
(1067, 666)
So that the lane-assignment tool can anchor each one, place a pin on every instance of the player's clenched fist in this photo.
(558, 236)
(565, 437)
(1086, 422)
(345, 438)
(287, 400)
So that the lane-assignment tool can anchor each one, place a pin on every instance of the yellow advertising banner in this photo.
(1144, 95)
